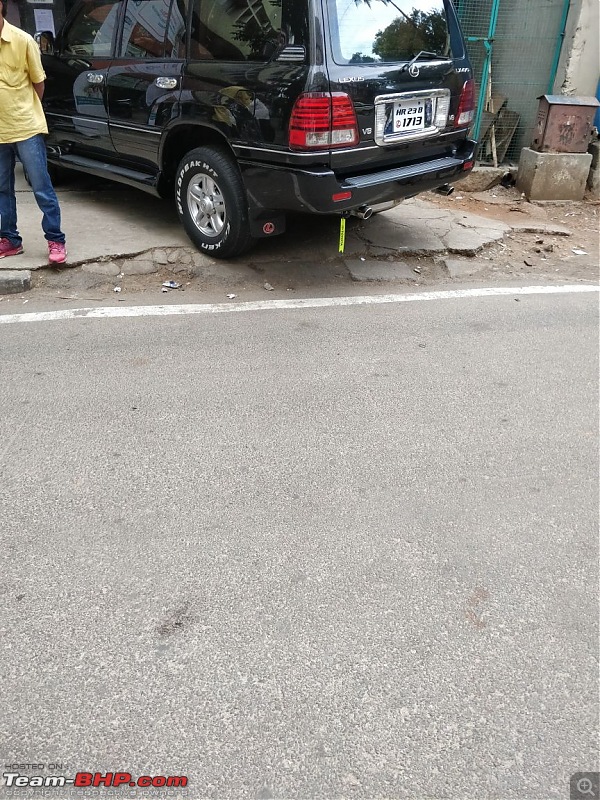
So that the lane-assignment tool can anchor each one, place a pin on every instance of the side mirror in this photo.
(45, 41)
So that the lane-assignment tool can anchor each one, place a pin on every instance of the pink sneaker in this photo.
(7, 248)
(57, 252)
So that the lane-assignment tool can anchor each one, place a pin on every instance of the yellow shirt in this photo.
(21, 113)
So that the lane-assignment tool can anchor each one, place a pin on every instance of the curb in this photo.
(13, 281)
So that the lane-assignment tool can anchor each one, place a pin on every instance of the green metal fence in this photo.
(514, 46)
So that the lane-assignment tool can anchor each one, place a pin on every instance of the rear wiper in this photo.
(421, 54)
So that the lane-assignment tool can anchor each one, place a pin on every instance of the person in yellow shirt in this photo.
(22, 130)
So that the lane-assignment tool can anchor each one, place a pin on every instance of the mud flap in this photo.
(267, 225)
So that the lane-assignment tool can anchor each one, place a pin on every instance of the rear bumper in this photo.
(311, 190)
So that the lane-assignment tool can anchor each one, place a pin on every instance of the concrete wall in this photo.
(579, 65)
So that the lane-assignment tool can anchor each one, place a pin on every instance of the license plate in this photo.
(409, 116)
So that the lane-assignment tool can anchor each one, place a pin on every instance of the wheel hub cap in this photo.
(206, 205)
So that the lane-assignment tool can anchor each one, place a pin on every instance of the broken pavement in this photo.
(120, 236)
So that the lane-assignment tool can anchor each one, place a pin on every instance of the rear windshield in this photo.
(377, 31)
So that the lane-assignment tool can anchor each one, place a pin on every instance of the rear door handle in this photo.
(166, 83)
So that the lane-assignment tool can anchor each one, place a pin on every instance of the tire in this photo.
(211, 202)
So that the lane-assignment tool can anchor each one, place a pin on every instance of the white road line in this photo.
(107, 312)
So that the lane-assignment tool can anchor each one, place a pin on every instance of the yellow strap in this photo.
(342, 233)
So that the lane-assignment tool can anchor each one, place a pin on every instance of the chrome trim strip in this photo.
(422, 94)
(77, 118)
(437, 63)
(139, 129)
(381, 101)
(310, 154)
(104, 122)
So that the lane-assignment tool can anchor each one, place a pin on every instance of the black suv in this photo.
(248, 109)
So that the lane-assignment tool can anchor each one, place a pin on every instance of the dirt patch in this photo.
(540, 254)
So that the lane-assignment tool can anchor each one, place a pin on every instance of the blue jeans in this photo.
(32, 154)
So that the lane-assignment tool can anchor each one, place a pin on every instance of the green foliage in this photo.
(360, 58)
(405, 36)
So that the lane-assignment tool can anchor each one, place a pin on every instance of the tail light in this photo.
(466, 106)
(321, 120)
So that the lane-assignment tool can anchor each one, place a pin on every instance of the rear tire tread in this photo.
(236, 238)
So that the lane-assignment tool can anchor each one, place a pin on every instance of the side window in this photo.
(92, 30)
(145, 29)
(238, 30)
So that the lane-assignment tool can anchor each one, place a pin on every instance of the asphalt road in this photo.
(318, 553)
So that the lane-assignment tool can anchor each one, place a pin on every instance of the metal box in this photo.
(564, 124)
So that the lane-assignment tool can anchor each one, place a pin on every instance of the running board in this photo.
(102, 169)
(405, 173)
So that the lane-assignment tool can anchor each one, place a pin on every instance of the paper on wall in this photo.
(44, 20)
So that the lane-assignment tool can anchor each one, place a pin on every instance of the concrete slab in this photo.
(399, 237)
(13, 281)
(470, 242)
(373, 270)
(419, 209)
(112, 221)
(412, 228)
(416, 228)
(11, 263)
(487, 225)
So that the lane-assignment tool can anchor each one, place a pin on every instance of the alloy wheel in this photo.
(206, 204)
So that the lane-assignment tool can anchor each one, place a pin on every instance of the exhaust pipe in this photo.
(363, 212)
(445, 189)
